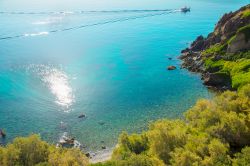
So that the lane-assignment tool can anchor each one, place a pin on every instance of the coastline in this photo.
(193, 61)
(228, 42)
(101, 156)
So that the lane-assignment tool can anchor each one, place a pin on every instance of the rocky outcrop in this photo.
(227, 29)
(217, 80)
(239, 43)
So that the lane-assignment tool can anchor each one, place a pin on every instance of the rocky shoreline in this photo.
(225, 35)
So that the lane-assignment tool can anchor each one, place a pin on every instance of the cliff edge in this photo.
(223, 57)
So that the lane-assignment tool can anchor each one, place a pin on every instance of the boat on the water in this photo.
(185, 9)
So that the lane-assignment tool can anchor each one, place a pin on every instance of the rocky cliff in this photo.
(223, 57)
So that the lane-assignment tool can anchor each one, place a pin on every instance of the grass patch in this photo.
(245, 13)
(215, 49)
(239, 70)
(236, 56)
(214, 66)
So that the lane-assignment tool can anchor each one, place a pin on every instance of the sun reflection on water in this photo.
(58, 83)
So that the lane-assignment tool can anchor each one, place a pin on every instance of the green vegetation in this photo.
(238, 70)
(31, 151)
(246, 13)
(215, 49)
(213, 133)
(234, 65)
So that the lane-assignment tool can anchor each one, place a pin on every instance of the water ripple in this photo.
(58, 82)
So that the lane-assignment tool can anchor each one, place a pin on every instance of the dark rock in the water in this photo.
(82, 116)
(169, 58)
(103, 147)
(102, 141)
(185, 50)
(101, 123)
(171, 67)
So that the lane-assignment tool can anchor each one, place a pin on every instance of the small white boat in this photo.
(185, 9)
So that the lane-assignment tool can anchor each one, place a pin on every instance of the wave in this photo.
(87, 11)
(89, 25)
(35, 34)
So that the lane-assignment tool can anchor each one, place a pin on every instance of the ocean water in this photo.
(110, 66)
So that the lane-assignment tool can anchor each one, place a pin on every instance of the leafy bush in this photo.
(134, 160)
(214, 66)
(243, 158)
(246, 13)
(215, 49)
(211, 133)
(32, 151)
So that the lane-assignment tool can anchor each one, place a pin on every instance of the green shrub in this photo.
(214, 66)
(134, 160)
(246, 13)
(215, 49)
(243, 158)
(31, 151)
(210, 132)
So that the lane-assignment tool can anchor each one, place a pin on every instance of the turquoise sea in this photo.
(110, 66)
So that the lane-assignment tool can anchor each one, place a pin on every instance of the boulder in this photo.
(87, 155)
(82, 116)
(219, 79)
(171, 67)
(101, 123)
(239, 43)
(198, 44)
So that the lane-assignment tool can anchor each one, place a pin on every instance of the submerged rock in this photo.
(101, 123)
(171, 67)
(82, 116)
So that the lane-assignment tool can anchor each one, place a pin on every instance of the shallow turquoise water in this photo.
(114, 73)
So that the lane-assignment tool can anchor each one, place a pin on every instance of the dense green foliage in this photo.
(215, 49)
(234, 65)
(239, 70)
(32, 151)
(213, 132)
(246, 13)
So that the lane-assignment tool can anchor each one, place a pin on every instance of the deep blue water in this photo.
(114, 73)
